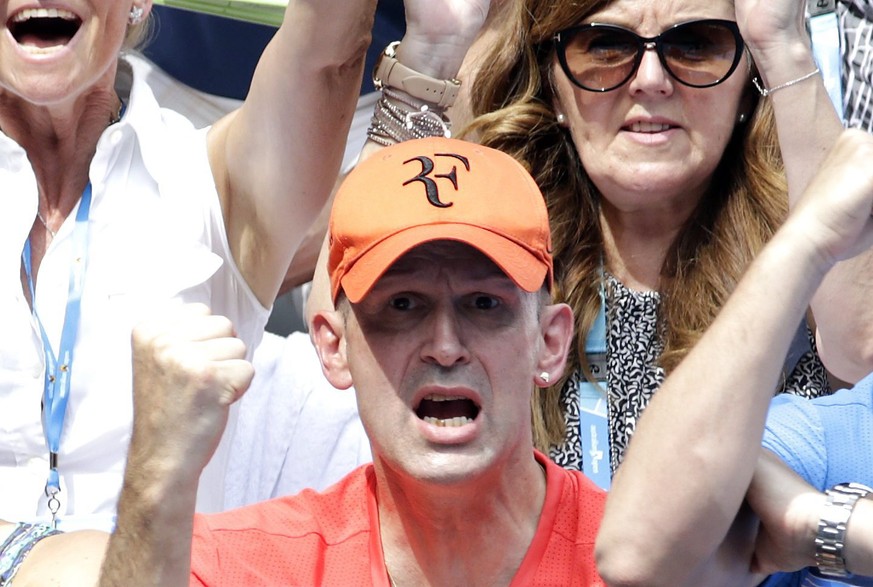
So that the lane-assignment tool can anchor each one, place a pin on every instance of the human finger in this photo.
(237, 375)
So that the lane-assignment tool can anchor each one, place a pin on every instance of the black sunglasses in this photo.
(602, 57)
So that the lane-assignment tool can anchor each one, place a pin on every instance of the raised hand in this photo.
(445, 20)
(439, 33)
(834, 212)
(188, 369)
(771, 24)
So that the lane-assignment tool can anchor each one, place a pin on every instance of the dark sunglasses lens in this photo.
(700, 54)
(600, 58)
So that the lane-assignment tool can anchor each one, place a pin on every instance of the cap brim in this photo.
(524, 267)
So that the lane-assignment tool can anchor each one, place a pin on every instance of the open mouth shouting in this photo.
(447, 411)
(43, 30)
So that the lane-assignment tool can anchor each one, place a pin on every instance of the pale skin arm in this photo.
(275, 158)
(806, 121)
(188, 369)
(63, 559)
(808, 126)
(844, 319)
(679, 458)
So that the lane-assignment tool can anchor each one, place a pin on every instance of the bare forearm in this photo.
(151, 546)
(844, 318)
(188, 368)
(807, 124)
(808, 127)
(698, 442)
(696, 446)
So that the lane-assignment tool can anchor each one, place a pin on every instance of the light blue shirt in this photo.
(827, 440)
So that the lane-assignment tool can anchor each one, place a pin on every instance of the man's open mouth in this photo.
(447, 411)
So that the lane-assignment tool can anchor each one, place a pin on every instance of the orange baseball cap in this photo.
(437, 189)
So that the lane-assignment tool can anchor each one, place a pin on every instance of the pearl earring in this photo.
(562, 119)
(741, 118)
(136, 14)
(545, 377)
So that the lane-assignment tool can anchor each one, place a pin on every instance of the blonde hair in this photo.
(139, 34)
(512, 99)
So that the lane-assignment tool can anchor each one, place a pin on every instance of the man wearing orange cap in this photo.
(440, 269)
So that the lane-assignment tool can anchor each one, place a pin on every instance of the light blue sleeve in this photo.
(794, 432)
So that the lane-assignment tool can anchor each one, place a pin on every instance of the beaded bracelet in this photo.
(399, 117)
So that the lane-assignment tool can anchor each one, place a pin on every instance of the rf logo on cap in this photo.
(380, 212)
(430, 185)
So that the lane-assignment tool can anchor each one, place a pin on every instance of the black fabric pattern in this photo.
(856, 26)
(633, 347)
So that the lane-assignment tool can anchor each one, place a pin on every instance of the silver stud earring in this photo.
(741, 118)
(545, 377)
(136, 13)
(562, 119)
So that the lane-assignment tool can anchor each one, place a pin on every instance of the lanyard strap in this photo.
(593, 409)
(824, 33)
(59, 366)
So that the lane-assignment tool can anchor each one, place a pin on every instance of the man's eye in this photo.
(401, 303)
(485, 303)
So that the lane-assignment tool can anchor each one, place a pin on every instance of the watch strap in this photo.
(830, 539)
(393, 74)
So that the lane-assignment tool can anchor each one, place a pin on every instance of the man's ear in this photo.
(557, 328)
(327, 329)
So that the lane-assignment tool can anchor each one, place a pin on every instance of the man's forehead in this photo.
(446, 254)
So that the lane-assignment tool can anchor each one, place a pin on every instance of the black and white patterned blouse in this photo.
(856, 24)
(633, 348)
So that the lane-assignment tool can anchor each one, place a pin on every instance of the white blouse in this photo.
(156, 234)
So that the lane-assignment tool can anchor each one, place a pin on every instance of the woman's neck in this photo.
(60, 142)
(636, 244)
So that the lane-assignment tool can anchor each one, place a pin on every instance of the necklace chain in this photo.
(54, 233)
(116, 117)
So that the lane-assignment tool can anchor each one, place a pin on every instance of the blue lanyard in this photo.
(824, 32)
(593, 406)
(58, 368)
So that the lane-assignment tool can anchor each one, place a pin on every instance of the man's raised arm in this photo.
(188, 368)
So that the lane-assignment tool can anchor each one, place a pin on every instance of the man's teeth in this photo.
(450, 423)
(29, 13)
(443, 398)
(649, 126)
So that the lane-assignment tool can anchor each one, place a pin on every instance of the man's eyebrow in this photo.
(400, 268)
(489, 272)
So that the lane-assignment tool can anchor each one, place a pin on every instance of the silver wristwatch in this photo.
(830, 539)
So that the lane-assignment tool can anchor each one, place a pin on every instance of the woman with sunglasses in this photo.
(645, 125)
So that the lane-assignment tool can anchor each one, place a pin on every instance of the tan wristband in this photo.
(391, 73)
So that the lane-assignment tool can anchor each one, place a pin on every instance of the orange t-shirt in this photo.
(332, 538)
